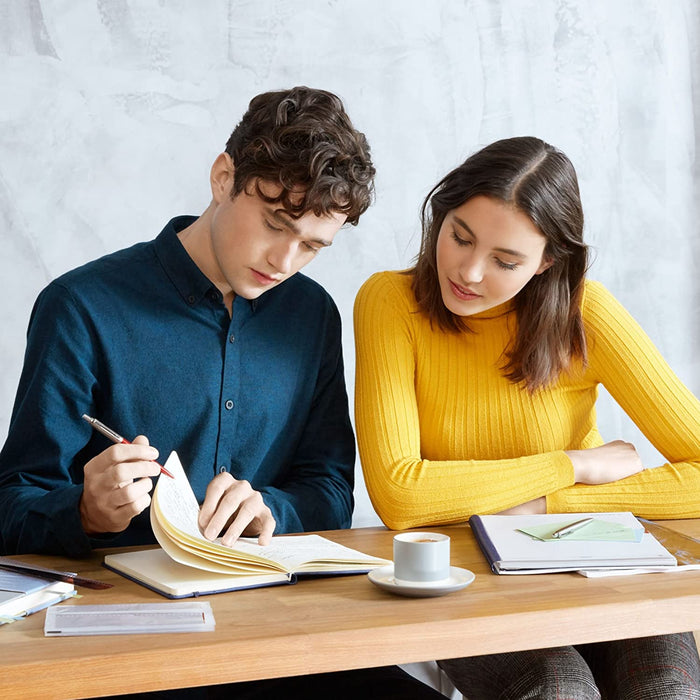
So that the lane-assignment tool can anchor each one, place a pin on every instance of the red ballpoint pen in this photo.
(116, 437)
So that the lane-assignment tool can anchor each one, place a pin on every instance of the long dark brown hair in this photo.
(540, 181)
(303, 140)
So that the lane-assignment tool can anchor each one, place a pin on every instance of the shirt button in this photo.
(222, 469)
(231, 338)
(229, 404)
(191, 299)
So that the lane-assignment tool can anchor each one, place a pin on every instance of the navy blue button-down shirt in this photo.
(141, 340)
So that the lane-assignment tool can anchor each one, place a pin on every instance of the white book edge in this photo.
(28, 604)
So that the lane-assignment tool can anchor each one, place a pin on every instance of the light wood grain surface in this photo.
(339, 623)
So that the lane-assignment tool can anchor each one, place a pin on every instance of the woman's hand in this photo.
(538, 505)
(610, 462)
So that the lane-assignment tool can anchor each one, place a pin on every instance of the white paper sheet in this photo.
(130, 618)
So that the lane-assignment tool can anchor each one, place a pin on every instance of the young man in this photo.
(206, 341)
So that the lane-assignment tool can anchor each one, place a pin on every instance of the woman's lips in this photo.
(463, 293)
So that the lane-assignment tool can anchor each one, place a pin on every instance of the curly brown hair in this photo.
(303, 140)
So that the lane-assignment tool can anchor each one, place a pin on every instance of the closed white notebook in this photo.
(510, 551)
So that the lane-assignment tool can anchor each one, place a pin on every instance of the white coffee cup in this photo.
(421, 557)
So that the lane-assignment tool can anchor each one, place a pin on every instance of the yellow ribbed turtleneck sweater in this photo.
(443, 435)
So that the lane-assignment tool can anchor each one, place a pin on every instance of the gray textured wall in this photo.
(111, 112)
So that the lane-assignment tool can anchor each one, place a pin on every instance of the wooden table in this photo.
(341, 623)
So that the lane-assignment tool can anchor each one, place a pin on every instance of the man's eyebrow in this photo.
(284, 218)
(508, 251)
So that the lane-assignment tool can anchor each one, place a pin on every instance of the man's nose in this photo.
(281, 256)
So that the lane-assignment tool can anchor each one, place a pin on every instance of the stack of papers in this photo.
(685, 549)
(523, 544)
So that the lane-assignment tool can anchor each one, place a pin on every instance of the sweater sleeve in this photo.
(626, 362)
(407, 490)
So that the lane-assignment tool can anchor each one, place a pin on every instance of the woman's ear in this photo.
(221, 177)
(546, 263)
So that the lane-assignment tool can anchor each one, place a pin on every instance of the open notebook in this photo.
(188, 564)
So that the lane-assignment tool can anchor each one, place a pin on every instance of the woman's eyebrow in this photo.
(463, 224)
(508, 251)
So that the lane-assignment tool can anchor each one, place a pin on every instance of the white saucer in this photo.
(384, 578)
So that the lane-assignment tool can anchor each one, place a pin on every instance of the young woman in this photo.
(477, 378)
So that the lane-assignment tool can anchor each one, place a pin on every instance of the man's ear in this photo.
(546, 263)
(221, 177)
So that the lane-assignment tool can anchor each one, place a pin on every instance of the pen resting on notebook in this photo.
(43, 572)
(571, 528)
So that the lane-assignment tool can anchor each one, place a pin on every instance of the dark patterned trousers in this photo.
(665, 667)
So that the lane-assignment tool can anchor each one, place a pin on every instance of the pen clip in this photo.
(100, 427)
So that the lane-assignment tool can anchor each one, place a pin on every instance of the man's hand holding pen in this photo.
(117, 486)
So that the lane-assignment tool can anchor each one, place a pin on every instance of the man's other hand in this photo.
(233, 508)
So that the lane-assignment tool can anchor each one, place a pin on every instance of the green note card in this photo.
(595, 531)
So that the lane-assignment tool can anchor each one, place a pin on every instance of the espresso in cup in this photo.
(421, 557)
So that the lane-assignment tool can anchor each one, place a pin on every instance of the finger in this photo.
(132, 492)
(133, 452)
(121, 517)
(215, 491)
(141, 504)
(227, 509)
(245, 515)
(148, 455)
(105, 468)
(126, 472)
(106, 459)
(268, 529)
(249, 519)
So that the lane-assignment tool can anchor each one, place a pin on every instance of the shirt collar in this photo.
(192, 284)
(189, 280)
